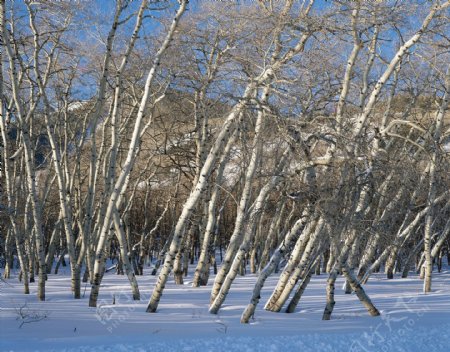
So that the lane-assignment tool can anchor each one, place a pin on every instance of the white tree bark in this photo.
(242, 209)
(133, 149)
(290, 238)
(432, 185)
(249, 233)
(29, 159)
(209, 230)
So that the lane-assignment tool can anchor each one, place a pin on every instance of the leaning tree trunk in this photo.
(242, 208)
(302, 287)
(301, 269)
(249, 234)
(191, 202)
(204, 252)
(130, 159)
(274, 261)
(293, 261)
(121, 237)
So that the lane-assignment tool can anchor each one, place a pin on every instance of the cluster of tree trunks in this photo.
(283, 137)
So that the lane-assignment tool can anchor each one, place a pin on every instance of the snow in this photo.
(77, 105)
(410, 320)
(447, 147)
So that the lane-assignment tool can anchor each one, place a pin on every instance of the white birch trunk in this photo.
(300, 269)
(209, 230)
(294, 259)
(271, 241)
(249, 233)
(401, 52)
(274, 261)
(120, 234)
(29, 160)
(133, 149)
(302, 287)
(432, 185)
(242, 209)
(194, 197)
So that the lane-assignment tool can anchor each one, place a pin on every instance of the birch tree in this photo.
(133, 149)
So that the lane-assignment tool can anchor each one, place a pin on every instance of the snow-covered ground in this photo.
(410, 320)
